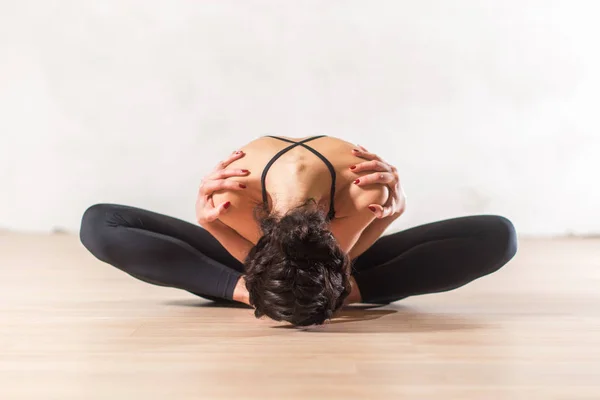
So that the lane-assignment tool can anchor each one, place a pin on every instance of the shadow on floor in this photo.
(392, 318)
(208, 304)
(364, 318)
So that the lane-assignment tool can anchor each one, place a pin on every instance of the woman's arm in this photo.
(240, 293)
(207, 213)
(236, 245)
(385, 174)
(355, 216)
(358, 243)
(370, 235)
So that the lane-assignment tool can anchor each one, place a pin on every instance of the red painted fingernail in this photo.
(352, 167)
(227, 205)
(372, 208)
(242, 186)
(357, 181)
(245, 171)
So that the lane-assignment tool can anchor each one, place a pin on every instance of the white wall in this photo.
(485, 106)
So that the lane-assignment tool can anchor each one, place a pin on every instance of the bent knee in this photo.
(93, 230)
(500, 237)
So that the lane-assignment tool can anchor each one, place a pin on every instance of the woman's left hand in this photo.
(383, 173)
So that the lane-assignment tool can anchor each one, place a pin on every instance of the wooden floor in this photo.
(72, 327)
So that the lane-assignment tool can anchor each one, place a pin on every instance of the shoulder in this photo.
(358, 198)
(261, 143)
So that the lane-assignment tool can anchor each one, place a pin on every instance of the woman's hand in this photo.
(206, 211)
(354, 296)
(383, 173)
(240, 293)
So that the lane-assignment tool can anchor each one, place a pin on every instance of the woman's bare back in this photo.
(293, 178)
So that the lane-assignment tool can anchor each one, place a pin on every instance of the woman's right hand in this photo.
(206, 211)
(383, 173)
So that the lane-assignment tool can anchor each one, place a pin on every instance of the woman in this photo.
(292, 228)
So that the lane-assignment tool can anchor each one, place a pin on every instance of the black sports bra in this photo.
(331, 213)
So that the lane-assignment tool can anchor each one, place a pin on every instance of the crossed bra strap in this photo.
(331, 212)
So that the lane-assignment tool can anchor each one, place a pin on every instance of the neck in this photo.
(282, 206)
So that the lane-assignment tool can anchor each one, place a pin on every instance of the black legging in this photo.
(167, 251)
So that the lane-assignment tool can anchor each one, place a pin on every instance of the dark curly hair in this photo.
(296, 272)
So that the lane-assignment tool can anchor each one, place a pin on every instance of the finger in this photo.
(373, 165)
(376, 209)
(377, 177)
(210, 187)
(362, 148)
(222, 208)
(365, 154)
(236, 155)
(209, 212)
(380, 211)
(387, 211)
(228, 173)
